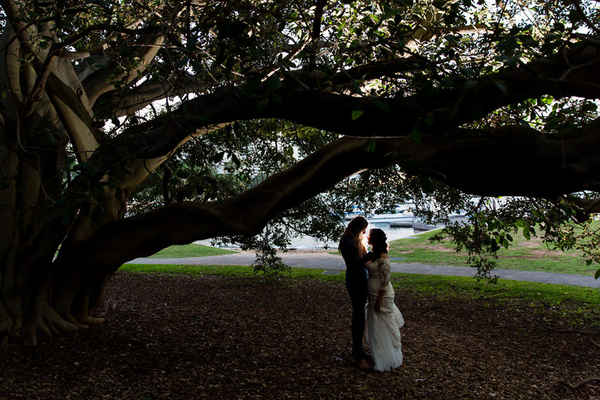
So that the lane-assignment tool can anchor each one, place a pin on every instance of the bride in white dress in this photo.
(384, 319)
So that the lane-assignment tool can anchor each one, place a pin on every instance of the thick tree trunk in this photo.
(29, 238)
(37, 293)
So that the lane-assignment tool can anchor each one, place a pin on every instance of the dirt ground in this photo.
(182, 337)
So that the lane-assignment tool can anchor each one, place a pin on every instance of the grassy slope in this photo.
(524, 255)
(190, 250)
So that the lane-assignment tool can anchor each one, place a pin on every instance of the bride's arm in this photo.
(386, 274)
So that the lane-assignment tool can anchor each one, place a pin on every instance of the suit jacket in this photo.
(357, 275)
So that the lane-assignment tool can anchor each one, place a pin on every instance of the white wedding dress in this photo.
(383, 327)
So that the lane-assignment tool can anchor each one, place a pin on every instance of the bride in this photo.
(384, 319)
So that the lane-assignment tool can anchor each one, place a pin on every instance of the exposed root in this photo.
(84, 316)
(63, 325)
(49, 322)
(25, 321)
(71, 319)
(52, 317)
(93, 320)
(44, 328)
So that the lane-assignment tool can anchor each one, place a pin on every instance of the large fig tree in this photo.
(100, 98)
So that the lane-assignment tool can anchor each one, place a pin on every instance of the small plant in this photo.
(267, 261)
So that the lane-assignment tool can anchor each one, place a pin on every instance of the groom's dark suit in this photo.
(357, 285)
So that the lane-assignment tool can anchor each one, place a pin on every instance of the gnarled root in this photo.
(64, 306)
(60, 309)
(49, 322)
(93, 320)
(84, 313)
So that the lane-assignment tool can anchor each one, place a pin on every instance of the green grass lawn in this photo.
(579, 302)
(530, 255)
(190, 250)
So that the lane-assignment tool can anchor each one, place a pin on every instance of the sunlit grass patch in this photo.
(525, 255)
(190, 250)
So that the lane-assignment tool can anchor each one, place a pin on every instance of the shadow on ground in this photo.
(182, 337)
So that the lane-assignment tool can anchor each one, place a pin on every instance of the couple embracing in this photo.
(368, 283)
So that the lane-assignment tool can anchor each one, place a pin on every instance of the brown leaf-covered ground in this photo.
(184, 337)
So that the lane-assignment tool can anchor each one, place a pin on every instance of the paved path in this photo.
(334, 263)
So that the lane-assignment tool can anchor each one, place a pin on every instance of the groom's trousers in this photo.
(358, 296)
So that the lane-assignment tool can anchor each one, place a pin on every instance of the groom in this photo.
(357, 284)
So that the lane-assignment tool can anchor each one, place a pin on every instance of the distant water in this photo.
(310, 243)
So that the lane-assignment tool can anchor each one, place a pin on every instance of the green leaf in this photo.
(356, 114)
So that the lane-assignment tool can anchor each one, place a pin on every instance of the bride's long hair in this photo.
(353, 230)
(378, 239)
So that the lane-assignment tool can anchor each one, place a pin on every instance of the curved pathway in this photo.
(333, 264)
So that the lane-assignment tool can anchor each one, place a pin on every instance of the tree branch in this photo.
(137, 98)
(472, 160)
(245, 214)
(51, 72)
(588, 22)
(475, 161)
(316, 32)
(105, 80)
(110, 28)
(433, 114)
